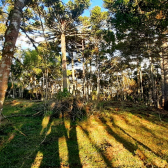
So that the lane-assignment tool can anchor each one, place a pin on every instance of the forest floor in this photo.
(115, 134)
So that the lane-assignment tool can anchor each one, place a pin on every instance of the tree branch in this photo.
(31, 40)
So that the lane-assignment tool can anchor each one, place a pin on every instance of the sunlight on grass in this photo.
(112, 153)
(63, 151)
(114, 142)
(14, 103)
(89, 154)
(50, 128)
(109, 138)
(150, 138)
(38, 160)
(44, 124)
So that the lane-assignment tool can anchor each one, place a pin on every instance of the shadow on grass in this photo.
(19, 149)
(72, 145)
(107, 162)
(21, 144)
(18, 137)
(152, 114)
(50, 147)
(128, 145)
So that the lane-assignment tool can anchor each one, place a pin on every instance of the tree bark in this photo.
(98, 76)
(84, 80)
(11, 35)
(90, 73)
(138, 81)
(141, 86)
(64, 65)
(73, 75)
(151, 83)
(165, 56)
(162, 80)
(46, 91)
(87, 96)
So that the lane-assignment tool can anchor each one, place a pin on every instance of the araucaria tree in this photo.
(62, 20)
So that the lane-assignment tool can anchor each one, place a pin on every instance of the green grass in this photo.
(115, 135)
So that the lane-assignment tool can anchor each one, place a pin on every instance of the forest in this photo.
(83, 91)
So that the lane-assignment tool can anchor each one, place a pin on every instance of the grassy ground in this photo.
(115, 135)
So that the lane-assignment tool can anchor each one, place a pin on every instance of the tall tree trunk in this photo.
(157, 83)
(42, 87)
(118, 87)
(124, 87)
(13, 90)
(141, 86)
(138, 81)
(22, 90)
(64, 64)
(90, 73)
(73, 76)
(46, 84)
(87, 96)
(84, 80)
(153, 95)
(151, 82)
(162, 80)
(98, 77)
(11, 35)
(76, 84)
(165, 65)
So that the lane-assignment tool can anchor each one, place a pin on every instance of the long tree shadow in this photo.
(72, 145)
(20, 137)
(71, 140)
(50, 147)
(129, 146)
(107, 162)
(35, 146)
(157, 133)
(29, 144)
(137, 141)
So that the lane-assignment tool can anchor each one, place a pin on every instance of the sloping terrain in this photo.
(115, 134)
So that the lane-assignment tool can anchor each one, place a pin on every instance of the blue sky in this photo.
(86, 13)
(93, 4)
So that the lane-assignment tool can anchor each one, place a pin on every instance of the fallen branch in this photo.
(19, 131)
(37, 113)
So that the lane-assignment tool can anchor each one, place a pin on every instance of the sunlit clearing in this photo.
(38, 160)
(45, 122)
(108, 138)
(63, 151)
